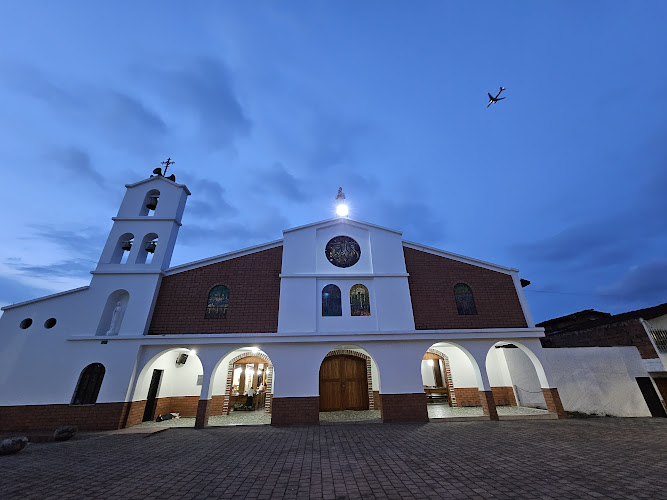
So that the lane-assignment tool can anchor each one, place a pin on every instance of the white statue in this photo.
(115, 319)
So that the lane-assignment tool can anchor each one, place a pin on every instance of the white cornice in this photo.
(159, 178)
(342, 220)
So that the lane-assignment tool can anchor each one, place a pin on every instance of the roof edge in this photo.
(222, 257)
(460, 258)
(343, 220)
(155, 177)
(46, 297)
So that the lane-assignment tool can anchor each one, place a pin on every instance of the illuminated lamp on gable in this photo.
(342, 209)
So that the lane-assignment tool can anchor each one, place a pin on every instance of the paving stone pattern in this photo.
(527, 459)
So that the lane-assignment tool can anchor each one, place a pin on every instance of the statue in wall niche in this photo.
(115, 319)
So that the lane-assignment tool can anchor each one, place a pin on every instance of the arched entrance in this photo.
(437, 378)
(171, 382)
(248, 369)
(346, 381)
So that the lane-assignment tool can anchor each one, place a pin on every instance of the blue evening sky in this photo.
(268, 107)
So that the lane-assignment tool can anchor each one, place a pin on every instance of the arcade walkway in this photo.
(434, 412)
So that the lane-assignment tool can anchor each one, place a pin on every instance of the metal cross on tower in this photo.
(166, 165)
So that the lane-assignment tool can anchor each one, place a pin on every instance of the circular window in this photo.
(342, 251)
(50, 323)
(25, 323)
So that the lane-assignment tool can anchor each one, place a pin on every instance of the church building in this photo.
(337, 315)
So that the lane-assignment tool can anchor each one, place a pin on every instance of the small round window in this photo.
(25, 323)
(50, 323)
(342, 251)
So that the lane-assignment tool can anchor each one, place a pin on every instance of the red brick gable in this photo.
(254, 293)
(432, 279)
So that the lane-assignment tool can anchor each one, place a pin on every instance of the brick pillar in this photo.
(554, 405)
(488, 404)
(293, 411)
(202, 413)
(404, 407)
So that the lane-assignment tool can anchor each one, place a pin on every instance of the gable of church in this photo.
(432, 279)
(253, 285)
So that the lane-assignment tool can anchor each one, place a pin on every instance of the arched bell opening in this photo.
(150, 203)
(170, 384)
(349, 385)
(122, 249)
(147, 249)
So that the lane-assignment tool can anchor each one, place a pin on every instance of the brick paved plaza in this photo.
(548, 459)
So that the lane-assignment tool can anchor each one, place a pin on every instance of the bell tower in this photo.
(139, 247)
(144, 232)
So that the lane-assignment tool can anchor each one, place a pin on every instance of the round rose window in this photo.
(343, 251)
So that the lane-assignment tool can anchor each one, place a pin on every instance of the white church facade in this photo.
(337, 315)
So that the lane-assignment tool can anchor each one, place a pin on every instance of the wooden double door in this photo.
(343, 383)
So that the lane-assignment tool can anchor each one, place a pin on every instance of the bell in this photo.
(152, 203)
(150, 247)
(127, 246)
(172, 178)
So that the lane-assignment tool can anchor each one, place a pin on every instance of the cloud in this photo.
(118, 116)
(418, 221)
(13, 291)
(73, 268)
(278, 181)
(203, 89)
(581, 246)
(645, 283)
(78, 163)
(209, 200)
(84, 242)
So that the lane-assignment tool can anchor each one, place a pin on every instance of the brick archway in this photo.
(448, 375)
(369, 377)
(230, 379)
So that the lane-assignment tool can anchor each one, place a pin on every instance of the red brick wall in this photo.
(622, 333)
(552, 399)
(504, 396)
(290, 411)
(432, 279)
(377, 400)
(254, 292)
(100, 416)
(185, 405)
(467, 396)
(135, 414)
(404, 407)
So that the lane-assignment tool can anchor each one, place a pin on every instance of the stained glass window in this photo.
(359, 301)
(342, 251)
(218, 299)
(465, 302)
(89, 385)
(331, 305)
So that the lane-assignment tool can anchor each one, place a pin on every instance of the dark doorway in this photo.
(151, 399)
(343, 384)
(651, 397)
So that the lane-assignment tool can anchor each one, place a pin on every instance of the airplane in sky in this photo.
(495, 99)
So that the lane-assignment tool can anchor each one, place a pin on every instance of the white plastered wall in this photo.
(176, 380)
(595, 380)
(463, 373)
